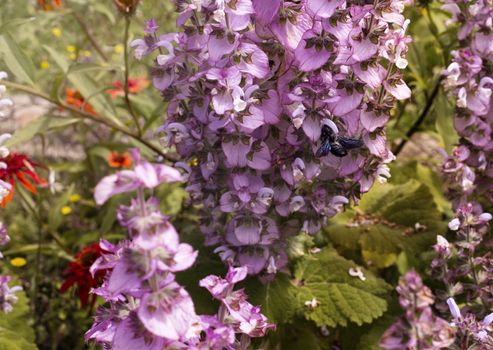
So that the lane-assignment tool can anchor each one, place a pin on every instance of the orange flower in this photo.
(49, 5)
(75, 99)
(135, 86)
(119, 160)
(20, 167)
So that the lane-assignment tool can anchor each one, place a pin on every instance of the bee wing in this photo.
(350, 143)
(324, 149)
(338, 150)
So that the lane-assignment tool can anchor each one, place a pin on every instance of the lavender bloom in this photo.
(418, 328)
(148, 309)
(470, 330)
(4, 236)
(469, 81)
(235, 309)
(7, 294)
(144, 175)
(465, 271)
(250, 85)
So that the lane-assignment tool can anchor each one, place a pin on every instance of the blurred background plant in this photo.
(75, 116)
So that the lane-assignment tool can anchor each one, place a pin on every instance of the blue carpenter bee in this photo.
(337, 145)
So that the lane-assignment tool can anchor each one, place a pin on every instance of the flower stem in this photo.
(127, 99)
(415, 127)
(89, 36)
(244, 342)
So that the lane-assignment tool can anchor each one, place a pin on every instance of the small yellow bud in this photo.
(18, 262)
(74, 198)
(71, 48)
(56, 32)
(119, 49)
(194, 162)
(44, 65)
(73, 56)
(86, 53)
(66, 210)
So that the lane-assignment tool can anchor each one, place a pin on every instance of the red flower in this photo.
(76, 100)
(20, 167)
(119, 160)
(77, 273)
(135, 86)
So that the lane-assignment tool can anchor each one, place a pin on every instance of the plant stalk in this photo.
(85, 115)
(127, 98)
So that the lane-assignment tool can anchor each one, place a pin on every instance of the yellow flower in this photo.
(86, 53)
(18, 262)
(74, 198)
(71, 48)
(44, 65)
(66, 210)
(56, 32)
(73, 56)
(119, 48)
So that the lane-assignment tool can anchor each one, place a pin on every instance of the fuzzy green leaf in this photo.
(342, 298)
(391, 219)
(15, 332)
(277, 298)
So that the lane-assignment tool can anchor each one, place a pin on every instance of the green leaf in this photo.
(86, 85)
(171, 198)
(16, 60)
(102, 8)
(15, 23)
(15, 332)
(342, 298)
(55, 217)
(367, 337)
(300, 336)
(391, 219)
(403, 172)
(89, 67)
(207, 263)
(40, 125)
(108, 218)
(46, 249)
(444, 123)
(277, 298)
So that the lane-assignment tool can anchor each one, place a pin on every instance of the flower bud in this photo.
(454, 308)
(127, 7)
(454, 224)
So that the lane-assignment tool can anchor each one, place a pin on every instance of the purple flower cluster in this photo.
(465, 266)
(470, 329)
(147, 308)
(418, 328)
(469, 78)
(7, 294)
(251, 87)
(4, 236)
(466, 272)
